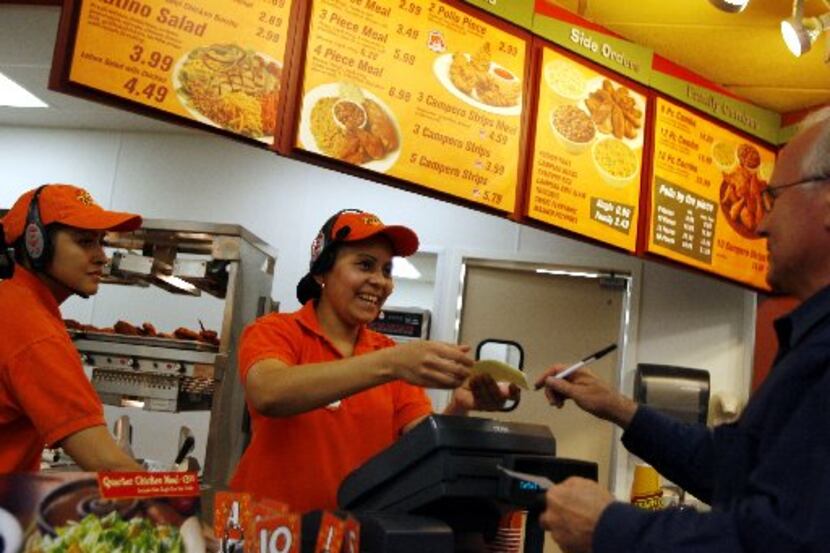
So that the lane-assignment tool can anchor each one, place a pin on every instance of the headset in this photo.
(327, 254)
(35, 238)
(6, 257)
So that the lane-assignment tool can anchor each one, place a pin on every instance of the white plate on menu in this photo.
(11, 536)
(639, 102)
(441, 68)
(330, 90)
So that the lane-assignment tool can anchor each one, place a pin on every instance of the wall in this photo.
(677, 317)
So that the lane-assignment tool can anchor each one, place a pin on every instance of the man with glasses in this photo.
(766, 476)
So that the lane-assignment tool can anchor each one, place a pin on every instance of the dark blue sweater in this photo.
(767, 476)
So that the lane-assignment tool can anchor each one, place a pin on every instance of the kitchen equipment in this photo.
(185, 448)
(679, 392)
(123, 432)
(403, 324)
(170, 375)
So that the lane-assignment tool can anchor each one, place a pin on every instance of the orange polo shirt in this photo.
(44, 394)
(302, 459)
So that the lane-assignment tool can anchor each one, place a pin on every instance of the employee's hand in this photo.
(590, 392)
(481, 392)
(572, 511)
(431, 364)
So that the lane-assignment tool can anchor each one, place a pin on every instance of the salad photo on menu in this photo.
(230, 87)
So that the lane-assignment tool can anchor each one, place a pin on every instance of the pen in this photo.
(579, 364)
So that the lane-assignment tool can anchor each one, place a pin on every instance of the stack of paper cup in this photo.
(645, 489)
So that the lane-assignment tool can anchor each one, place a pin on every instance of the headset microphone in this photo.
(37, 243)
(6, 257)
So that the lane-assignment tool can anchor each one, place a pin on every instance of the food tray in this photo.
(153, 341)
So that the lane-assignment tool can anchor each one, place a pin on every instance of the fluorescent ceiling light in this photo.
(14, 95)
(403, 268)
(731, 6)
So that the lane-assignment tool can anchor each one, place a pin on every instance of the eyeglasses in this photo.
(771, 193)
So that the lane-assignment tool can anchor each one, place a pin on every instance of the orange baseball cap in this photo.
(352, 225)
(68, 205)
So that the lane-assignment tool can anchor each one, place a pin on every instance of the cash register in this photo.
(442, 481)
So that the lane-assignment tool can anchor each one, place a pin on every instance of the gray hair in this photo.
(817, 160)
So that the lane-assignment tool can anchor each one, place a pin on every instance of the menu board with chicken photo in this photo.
(419, 90)
(214, 62)
(706, 202)
(587, 152)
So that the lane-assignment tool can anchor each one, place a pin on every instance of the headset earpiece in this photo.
(35, 238)
(325, 261)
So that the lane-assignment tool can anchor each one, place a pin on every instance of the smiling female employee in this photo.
(45, 397)
(325, 393)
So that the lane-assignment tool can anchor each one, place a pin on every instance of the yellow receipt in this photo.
(501, 372)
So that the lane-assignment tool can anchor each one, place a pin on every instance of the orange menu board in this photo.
(419, 90)
(587, 152)
(217, 62)
(706, 200)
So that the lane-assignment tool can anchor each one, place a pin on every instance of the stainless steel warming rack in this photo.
(168, 374)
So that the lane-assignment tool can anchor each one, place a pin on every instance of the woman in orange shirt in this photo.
(57, 233)
(325, 392)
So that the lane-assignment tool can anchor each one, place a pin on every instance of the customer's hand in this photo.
(588, 391)
(431, 364)
(481, 392)
(572, 512)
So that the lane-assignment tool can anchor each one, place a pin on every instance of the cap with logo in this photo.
(68, 205)
(350, 225)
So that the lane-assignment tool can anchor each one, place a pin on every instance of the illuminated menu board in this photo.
(588, 152)
(706, 200)
(217, 62)
(418, 90)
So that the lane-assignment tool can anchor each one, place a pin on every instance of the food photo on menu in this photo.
(230, 87)
(593, 115)
(65, 513)
(479, 81)
(343, 121)
(744, 177)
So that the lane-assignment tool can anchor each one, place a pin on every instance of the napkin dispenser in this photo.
(679, 392)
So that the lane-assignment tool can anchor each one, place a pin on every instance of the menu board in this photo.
(217, 62)
(588, 152)
(706, 200)
(419, 90)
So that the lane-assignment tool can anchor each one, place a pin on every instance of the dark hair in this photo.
(308, 288)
